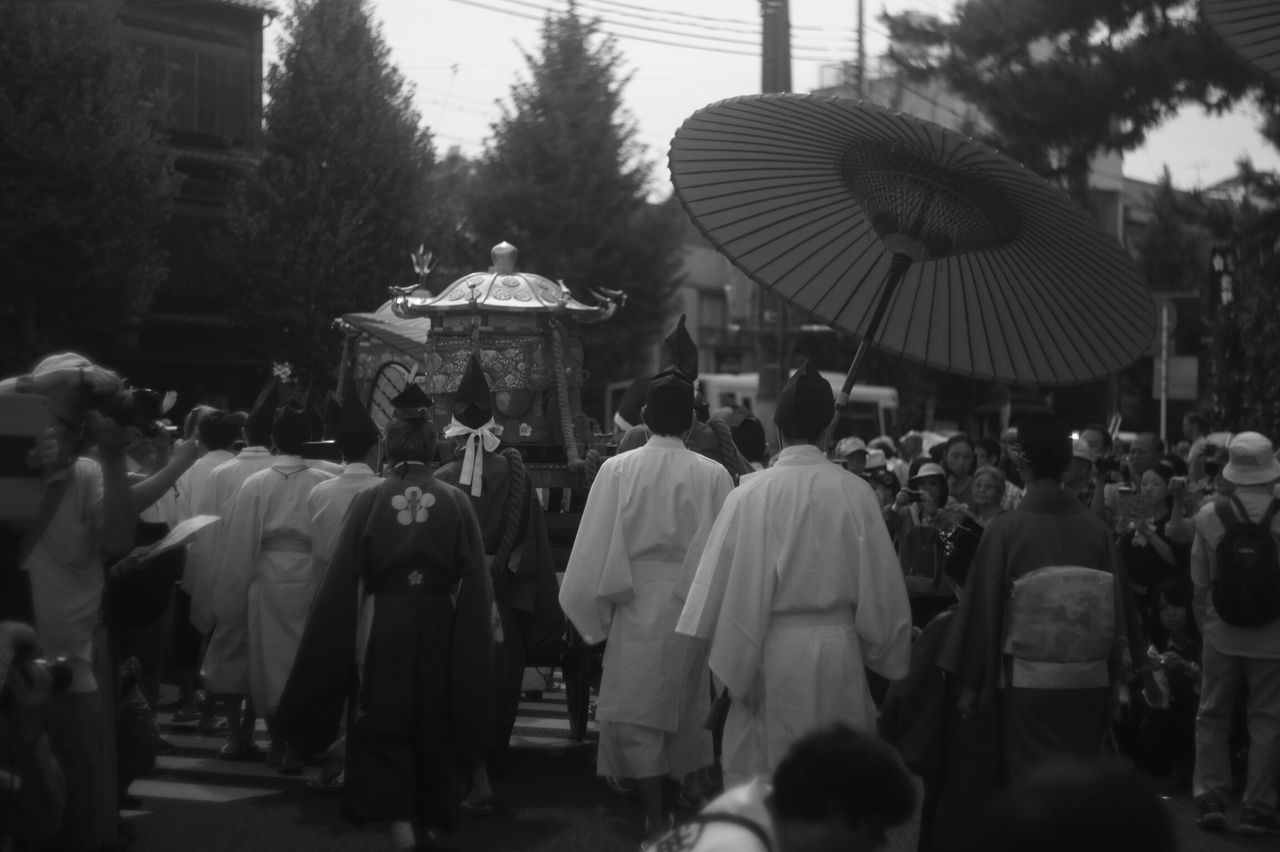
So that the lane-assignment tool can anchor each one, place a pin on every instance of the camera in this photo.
(1106, 464)
(135, 408)
(27, 666)
(913, 496)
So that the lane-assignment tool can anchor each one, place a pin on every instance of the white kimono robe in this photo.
(643, 527)
(226, 666)
(328, 503)
(191, 488)
(798, 587)
(266, 579)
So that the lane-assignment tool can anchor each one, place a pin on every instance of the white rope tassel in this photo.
(473, 458)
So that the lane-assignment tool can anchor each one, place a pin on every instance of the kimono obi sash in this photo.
(810, 618)
(286, 544)
(411, 579)
(1060, 628)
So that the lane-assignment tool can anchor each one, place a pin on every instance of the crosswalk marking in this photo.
(193, 772)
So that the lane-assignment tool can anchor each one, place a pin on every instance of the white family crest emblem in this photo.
(415, 579)
(412, 505)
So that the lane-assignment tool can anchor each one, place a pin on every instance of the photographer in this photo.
(87, 513)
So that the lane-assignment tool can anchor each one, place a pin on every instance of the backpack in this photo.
(1246, 587)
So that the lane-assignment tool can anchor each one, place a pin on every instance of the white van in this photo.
(872, 410)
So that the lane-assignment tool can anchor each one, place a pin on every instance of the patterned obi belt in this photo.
(286, 544)
(413, 579)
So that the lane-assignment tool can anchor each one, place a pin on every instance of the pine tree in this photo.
(341, 197)
(85, 181)
(563, 181)
(1062, 82)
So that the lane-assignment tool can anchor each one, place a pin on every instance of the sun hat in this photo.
(848, 446)
(1252, 460)
(1080, 449)
(876, 461)
(928, 470)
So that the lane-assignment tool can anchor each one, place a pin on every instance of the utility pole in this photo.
(773, 346)
(862, 50)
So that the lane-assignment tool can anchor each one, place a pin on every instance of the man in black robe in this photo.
(402, 626)
(517, 554)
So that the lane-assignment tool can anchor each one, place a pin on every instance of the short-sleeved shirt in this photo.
(67, 576)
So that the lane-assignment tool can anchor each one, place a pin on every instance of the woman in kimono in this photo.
(1046, 633)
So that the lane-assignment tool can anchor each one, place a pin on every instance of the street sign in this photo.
(1184, 378)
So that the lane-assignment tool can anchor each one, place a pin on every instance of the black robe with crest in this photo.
(408, 585)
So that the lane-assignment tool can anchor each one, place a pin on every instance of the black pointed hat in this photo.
(473, 403)
(258, 425)
(411, 403)
(669, 392)
(806, 404)
(313, 404)
(628, 414)
(291, 424)
(679, 350)
(355, 431)
(331, 413)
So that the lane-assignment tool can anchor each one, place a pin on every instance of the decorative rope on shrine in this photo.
(562, 397)
(515, 508)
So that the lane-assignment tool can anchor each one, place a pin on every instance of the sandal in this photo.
(216, 726)
(477, 807)
(333, 785)
(248, 751)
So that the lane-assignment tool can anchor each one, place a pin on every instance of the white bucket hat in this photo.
(1252, 460)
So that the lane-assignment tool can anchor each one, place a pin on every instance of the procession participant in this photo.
(353, 430)
(226, 662)
(1047, 628)
(403, 627)
(357, 436)
(798, 589)
(266, 581)
(627, 417)
(215, 431)
(517, 554)
(642, 530)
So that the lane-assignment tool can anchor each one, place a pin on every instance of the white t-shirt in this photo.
(67, 577)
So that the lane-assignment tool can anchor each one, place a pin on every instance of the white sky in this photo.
(463, 55)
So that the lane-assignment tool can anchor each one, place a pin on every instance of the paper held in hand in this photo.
(181, 533)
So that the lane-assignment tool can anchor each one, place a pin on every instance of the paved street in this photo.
(552, 803)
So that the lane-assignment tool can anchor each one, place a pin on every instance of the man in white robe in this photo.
(646, 518)
(798, 588)
(226, 662)
(266, 580)
(356, 435)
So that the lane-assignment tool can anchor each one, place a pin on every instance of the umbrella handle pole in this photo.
(897, 269)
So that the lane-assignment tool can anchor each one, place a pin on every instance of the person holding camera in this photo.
(86, 513)
(919, 514)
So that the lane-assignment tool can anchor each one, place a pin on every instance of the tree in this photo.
(1063, 82)
(563, 181)
(341, 198)
(85, 180)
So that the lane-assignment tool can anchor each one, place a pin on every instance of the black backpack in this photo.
(1246, 589)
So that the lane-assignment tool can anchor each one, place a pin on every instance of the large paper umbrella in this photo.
(1252, 27)
(912, 237)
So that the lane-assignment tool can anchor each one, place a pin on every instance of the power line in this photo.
(706, 36)
(737, 27)
(707, 18)
(641, 38)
